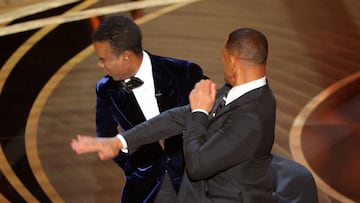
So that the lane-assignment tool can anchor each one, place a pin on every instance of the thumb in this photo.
(213, 90)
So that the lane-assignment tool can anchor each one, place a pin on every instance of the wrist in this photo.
(121, 143)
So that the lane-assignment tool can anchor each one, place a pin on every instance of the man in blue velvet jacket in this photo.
(137, 87)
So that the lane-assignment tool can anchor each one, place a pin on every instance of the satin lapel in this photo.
(164, 88)
(157, 75)
(127, 107)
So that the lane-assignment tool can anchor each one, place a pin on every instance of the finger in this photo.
(85, 138)
(213, 90)
(82, 148)
(101, 156)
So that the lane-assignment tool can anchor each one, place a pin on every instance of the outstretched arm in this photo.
(106, 148)
(167, 124)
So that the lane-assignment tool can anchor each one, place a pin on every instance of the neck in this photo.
(249, 74)
(136, 62)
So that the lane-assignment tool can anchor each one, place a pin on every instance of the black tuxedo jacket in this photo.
(145, 167)
(227, 156)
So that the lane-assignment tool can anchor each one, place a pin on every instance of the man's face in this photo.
(118, 67)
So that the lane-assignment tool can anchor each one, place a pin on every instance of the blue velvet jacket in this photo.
(145, 168)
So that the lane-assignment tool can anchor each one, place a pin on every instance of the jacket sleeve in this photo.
(106, 126)
(167, 124)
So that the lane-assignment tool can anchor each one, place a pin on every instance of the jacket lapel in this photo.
(164, 88)
(128, 106)
(248, 97)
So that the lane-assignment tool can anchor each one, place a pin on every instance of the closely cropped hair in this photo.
(122, 34)
(249, 44)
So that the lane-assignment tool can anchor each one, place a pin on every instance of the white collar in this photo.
(145, 71)
(238, 91)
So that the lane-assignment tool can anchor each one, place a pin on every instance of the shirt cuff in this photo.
(200, 110)
(123, 143)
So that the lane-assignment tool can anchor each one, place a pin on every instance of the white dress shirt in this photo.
(237, 91)
(145, 95)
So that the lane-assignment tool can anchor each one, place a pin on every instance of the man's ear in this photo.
(233, 61)
(126, 56)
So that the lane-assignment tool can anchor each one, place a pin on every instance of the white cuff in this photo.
(123, 143)
(200, 110)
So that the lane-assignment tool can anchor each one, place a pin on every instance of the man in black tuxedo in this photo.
(138, 86)
(228, 134)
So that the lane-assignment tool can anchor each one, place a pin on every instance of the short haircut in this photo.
(122, 34)
(250, 45)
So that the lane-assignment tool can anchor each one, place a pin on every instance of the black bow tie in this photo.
(128, 86)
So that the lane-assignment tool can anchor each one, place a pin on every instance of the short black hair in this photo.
(122, 34)
(249, 44)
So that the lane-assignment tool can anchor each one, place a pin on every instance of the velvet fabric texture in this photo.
(145, 168)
